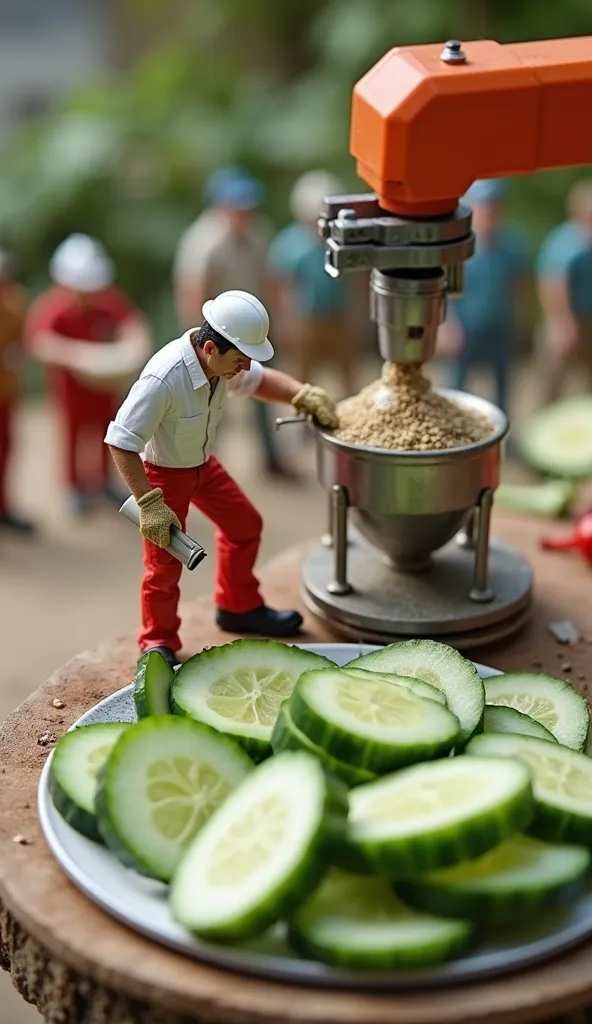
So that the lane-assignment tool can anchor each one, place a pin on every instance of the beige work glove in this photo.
(156, 518)
(317, 403)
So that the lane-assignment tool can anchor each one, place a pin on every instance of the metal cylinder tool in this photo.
(182, 546)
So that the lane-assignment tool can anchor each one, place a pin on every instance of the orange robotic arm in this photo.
(423, 129)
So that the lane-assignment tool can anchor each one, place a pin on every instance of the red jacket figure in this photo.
(75, 328)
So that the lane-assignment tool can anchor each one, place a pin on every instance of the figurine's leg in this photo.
(238, 535)
(162, 571)
(239, 605)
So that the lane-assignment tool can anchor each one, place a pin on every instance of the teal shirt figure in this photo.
(486, 311)
(298, 253)
(487, 308)
(567, 253)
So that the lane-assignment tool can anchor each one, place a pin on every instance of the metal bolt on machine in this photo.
(408, 552)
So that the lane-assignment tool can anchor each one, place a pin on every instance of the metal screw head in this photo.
(453, 52)
(347, 214)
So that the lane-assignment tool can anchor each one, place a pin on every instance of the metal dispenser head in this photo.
(414, 264)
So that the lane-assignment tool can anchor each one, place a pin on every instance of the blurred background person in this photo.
(84, 308)
(312, 307)
(482, 325)
(13, 308)
(564, 284)
(226, 248)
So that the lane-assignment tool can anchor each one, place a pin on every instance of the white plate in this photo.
(141, 904)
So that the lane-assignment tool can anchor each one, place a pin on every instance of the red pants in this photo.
(6, 406)
(238, 532)
(85, 417)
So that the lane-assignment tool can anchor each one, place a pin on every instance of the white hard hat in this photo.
(309, 192)
(82, 263)
(242, 319)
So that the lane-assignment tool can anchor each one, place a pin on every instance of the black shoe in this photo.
(167, 654)
(18, 524)
(263, 621)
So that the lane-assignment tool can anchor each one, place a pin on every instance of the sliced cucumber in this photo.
(360, 923)
(520, 877)
(557, 440)
(416, 686)
(262, 852)
(286, 736)
(376, 725)
(77, 758)
(440, 666)
(163, 779)
(238, 688)
(152, 685)
(432, 815)
(552, 702)
(561, 781)
(499, 718)
(550, 499)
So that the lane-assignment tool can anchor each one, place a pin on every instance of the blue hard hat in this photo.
(486, 190)
(233, 186)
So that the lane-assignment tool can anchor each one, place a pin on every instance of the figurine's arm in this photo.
(279, 387)
(135, 423)
(135, 329)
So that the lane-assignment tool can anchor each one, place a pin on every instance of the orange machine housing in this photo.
(422, 130)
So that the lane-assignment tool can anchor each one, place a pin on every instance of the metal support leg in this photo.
(339, 585)
(327, 538)
(481, 593)
(465, 538)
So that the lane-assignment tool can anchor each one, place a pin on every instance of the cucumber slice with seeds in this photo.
(360, 923)
(163, 779)
(286, 736)
(499, 718)
(416, 686)
(557, 440)
(77, 758)
(552, 702)
(238, 688)
(152, 685)
(375, 725)
(519, 878)
(561, 782)
(440, 666)
(262, 852)
(433, 815)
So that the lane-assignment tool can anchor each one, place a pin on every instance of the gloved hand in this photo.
(317, 403)
(156, 518)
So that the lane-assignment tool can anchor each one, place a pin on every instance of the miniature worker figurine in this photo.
(83, 309)
(564, 280)
(171, 414)
(481, 327)
(313, 306)
(226, 248)
(12, 321)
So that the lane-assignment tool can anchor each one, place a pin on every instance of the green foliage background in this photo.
(266, 83)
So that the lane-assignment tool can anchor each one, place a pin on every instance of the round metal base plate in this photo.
(385, 605)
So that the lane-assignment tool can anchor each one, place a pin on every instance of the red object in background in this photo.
(85, 413)
(579, 539)
(6, 408)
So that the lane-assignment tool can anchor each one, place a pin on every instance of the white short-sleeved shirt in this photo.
(170, 414)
